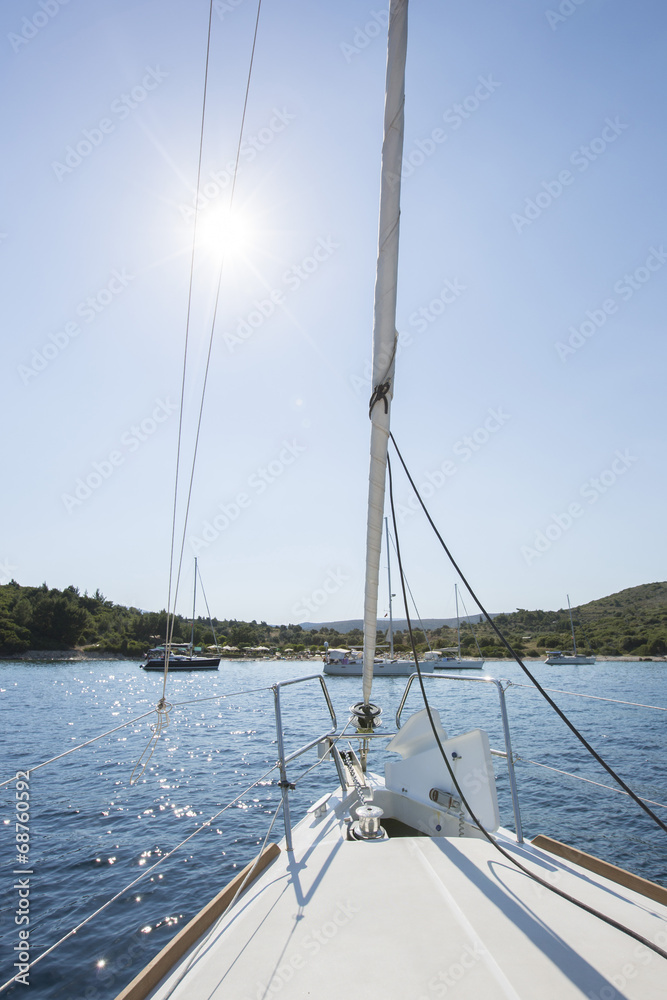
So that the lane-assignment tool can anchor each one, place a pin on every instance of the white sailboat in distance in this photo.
(555, 657)
(457, 662)
(349, 663)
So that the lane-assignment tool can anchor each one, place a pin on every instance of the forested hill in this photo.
(633, 622)
(43, 618)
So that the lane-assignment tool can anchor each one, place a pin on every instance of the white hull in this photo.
(456, 664)
(564, 659)
(392, 668)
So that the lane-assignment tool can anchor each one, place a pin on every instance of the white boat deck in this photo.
(420, 917)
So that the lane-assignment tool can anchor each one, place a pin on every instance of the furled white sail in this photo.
(384, 323)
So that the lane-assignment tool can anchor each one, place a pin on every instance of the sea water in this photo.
(91, 831)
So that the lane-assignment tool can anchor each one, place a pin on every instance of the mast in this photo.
(458, 621)
(574, 641)
(384, 320)
(391, 620)
(194, 604)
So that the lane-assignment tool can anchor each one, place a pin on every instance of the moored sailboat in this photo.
(457, 662)
(555, 658)
(350, 663)
(181, 656)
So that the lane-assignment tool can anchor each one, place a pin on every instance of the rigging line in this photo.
(414, 603)
(334, 739)
(595, 697)
(580, 777)
(216, 697)
(81, 745)
(205, 938)
(215, 307)
(469, 624)
(208, 610)
(140, 877)
(170, 615)
(162, 722)
(501, 850)
(571, 726)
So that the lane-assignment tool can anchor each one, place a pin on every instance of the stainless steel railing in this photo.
(282, 759)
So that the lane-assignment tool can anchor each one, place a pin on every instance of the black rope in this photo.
(582, 739)
(506, 854)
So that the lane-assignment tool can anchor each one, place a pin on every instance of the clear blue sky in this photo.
(530, 387)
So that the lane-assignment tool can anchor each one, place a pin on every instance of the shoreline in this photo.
(79, 655)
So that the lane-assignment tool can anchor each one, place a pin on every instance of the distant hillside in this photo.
(645, 598)
(400, 624)
(631, 622)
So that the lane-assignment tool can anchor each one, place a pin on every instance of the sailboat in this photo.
(344, 662)
(555, 657)
(455, 662)
(402, 883)
(181, 656)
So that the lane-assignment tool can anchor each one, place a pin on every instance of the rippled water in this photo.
(92, 832)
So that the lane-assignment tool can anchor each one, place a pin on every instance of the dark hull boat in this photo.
(183, 663)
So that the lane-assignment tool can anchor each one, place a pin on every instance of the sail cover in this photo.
(384, 321)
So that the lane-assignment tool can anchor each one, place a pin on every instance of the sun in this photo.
(221, 232)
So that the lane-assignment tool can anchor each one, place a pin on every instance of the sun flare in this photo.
(221, 232)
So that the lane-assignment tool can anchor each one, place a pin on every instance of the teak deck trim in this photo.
(158, 967)
(612, 872)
